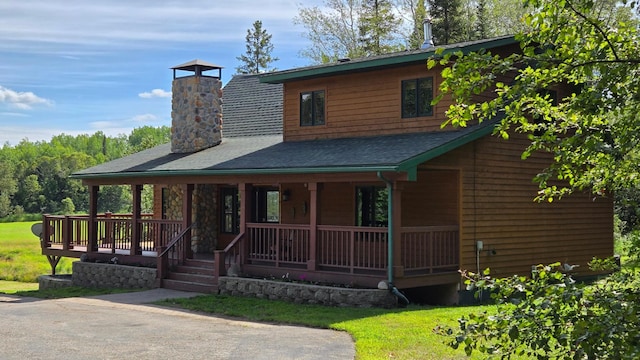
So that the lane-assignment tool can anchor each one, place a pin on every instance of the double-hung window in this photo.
(416, 97)
(312, 108)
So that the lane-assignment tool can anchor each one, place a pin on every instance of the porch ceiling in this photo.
(260, 155)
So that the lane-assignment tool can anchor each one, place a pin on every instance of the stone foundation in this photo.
(305, 293)
(98, 275)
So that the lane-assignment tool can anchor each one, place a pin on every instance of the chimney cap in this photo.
(197, 66)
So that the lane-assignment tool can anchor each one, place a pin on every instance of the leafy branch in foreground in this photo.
(572, 89)
(551, 316)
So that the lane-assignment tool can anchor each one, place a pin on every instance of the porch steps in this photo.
(194, 276)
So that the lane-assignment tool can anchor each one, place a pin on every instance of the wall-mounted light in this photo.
(286, 195)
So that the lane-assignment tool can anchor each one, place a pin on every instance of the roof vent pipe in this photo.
(428, 37)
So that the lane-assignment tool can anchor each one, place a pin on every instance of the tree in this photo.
(257, 57)
(8, 187)
(332, 30)
(417, 11)
(447, 21)
(376, 29)
(588, 52)
(573, 91)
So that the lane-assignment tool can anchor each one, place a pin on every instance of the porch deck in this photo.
(344, 254)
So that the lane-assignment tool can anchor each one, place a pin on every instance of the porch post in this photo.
(92, 241)
(187, 213)
(135, 224)
(398, 266)
(244, 191)
(313, 225)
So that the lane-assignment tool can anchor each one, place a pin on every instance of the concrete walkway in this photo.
(124, 326)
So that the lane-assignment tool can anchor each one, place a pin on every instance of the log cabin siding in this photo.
(361, 104)
(498, 209)
(432, 200)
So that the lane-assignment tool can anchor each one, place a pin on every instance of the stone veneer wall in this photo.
(305, 293)
(97, 275)
(196, 113)
(204, 214)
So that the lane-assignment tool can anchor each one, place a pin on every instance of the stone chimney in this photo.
(428, 36)
(196, 108)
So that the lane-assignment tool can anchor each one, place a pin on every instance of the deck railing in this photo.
(351, 249)
(114, 232)
(430, 248)
(279, 243)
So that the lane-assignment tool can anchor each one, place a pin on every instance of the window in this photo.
(371, 206)
(230, 219)
(266, 205)
(312, 108)
(416, 97)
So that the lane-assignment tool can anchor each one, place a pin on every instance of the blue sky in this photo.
(79, 66)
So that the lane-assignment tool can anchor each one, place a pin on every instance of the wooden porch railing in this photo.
(279, 243)
(352, 248)
(430, 248)
(174, 253)
(114, 232)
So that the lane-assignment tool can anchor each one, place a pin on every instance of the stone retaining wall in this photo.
(97, 275)
(54, 281)
(305, 293)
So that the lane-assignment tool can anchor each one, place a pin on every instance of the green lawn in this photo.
(21, 258)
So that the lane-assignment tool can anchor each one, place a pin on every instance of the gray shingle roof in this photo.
(269, 154)
(251, 108)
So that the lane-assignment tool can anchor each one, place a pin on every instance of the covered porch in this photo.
(320, 234)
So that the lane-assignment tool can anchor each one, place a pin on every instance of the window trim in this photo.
(416, 82)
(314, 116)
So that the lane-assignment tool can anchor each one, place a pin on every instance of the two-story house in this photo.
(337, 173)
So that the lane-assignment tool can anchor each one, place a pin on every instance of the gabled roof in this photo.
(387, 60)
(251, 108)
(270, 155)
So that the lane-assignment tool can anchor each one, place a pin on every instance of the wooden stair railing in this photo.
(174, 254)
(232, 254)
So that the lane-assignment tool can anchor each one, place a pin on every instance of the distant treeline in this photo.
(34, 176)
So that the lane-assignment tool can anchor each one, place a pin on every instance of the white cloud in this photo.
(155, 93)
(21, 100)
(145, 118)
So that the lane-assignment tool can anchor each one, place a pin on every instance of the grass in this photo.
(378, 333)
(21, 257)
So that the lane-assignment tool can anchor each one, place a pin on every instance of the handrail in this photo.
(232, 244)
(175, 240)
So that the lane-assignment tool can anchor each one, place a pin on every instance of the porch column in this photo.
(313, 225)
(398, 266)
(244, 191)
(135, 223)
(92, 241)
(187, 213)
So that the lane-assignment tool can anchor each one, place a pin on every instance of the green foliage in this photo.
(257, 57)
(377, 22)
(585, 51)
(447, 21)
(34, 177)
(550, 316)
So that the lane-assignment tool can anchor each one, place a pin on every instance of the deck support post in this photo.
(92, 245)
(244, 190)
(313, 225)
(396, 215)
(135, 223)
(187, 214)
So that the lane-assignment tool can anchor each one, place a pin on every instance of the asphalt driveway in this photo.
(124, 326)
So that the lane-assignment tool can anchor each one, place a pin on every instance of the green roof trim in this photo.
(376, 62)
(412, 164)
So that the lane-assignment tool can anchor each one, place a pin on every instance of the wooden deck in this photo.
(347, 254)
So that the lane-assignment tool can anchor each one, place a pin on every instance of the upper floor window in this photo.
(312, 108)
(416, 97)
